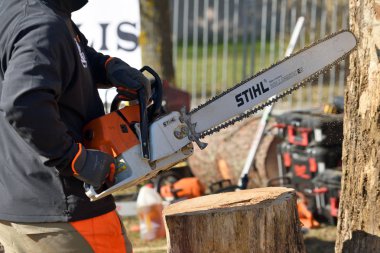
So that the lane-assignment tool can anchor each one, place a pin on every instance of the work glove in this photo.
(126, 79)
(93, 167)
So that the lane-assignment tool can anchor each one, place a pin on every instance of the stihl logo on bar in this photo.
(251, 93)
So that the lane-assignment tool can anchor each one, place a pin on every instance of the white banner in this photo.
(112, 27)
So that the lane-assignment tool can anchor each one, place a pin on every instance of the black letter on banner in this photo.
(104, 37)
(127, 37)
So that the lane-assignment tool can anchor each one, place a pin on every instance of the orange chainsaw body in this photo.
(112, 132)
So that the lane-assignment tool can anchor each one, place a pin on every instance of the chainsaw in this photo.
(145, 141)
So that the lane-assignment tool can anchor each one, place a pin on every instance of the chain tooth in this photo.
(272, 100)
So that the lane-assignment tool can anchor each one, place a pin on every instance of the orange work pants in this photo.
(102, 234)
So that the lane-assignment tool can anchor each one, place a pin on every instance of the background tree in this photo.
(156, 41)
(359, 215)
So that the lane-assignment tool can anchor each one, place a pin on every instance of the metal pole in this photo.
(264, 11)
(293, 17)
(225, 44)
(313, 21)
(245, 39)
(322, 34)
(273, 31)
(215, 48)
(205, 49)
(295, 35)
(175, 31)
(255, 19)
(333, 29)
(300, 102)
(194, 84)
(185, 43)
(235, 37)
(282, 28)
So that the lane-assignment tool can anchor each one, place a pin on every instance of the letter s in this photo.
(127, 36)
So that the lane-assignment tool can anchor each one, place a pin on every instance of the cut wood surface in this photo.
(255, 220)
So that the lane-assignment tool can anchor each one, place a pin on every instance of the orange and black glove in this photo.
(127, 79)
(93, 167)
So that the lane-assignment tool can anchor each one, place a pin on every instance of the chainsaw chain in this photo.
(260, 107)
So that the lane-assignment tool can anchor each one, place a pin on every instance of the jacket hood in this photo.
(67, 6)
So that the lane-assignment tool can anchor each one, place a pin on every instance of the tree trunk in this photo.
(156, 41)
(256, 220)
(359, 214)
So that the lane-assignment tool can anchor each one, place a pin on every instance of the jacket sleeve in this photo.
(96, 60)
(36, 75)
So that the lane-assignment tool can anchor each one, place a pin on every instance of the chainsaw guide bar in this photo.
(341, 43)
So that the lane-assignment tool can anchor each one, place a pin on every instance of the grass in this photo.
(217, 71)
(204, 77)
(320, 239)
(139, 245)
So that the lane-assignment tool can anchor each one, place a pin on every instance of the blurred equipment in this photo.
(305, 215)
(327, 193)
(174, 99)
(308, 128)
(337, 106)
(224, 185)
(149, 210)
(184, 188)
(310, 161)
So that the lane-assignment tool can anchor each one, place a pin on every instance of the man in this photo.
(48, 92)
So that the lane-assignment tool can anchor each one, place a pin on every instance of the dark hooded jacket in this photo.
(48, 92)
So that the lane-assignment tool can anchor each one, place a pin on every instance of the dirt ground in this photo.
(320, 239)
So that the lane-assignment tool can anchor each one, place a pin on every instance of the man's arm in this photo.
(113, 72)
(35, 77)
(96, 60)
(37, 73)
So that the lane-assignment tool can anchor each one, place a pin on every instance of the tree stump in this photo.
(255, 220)
(359, 213)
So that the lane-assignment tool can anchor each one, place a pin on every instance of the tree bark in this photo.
(156, 41)
(359, 214)
(255, 220)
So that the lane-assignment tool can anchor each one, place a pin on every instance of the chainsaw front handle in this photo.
(144, 126)
(157, 94)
